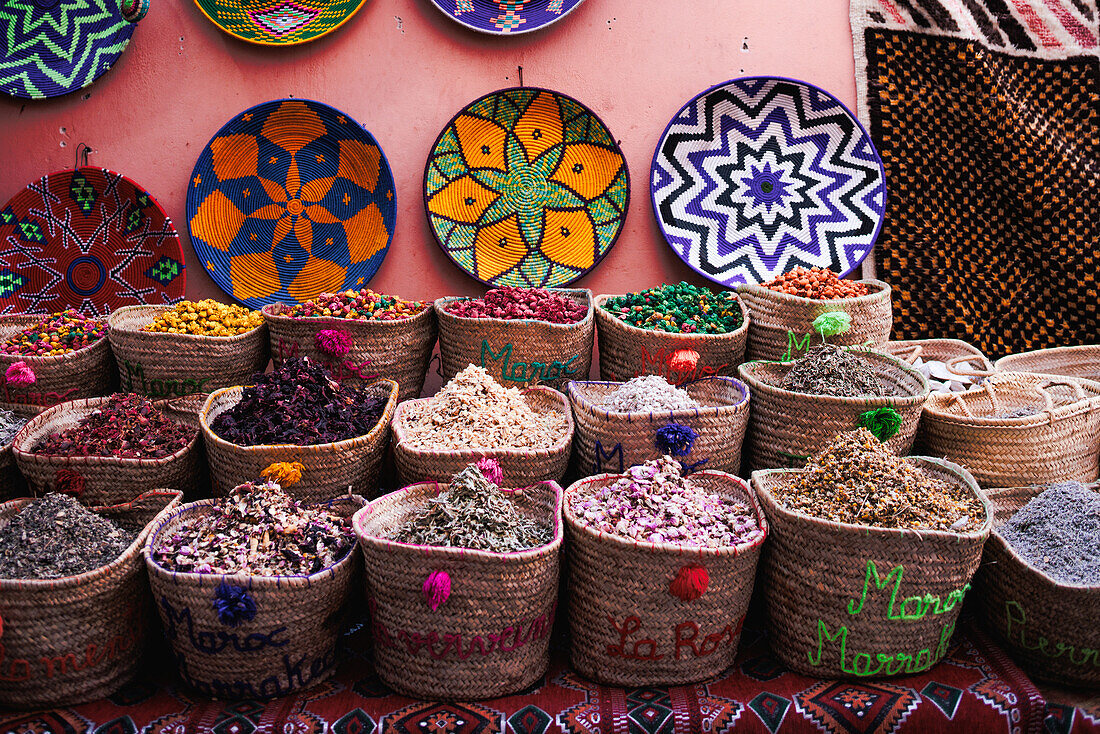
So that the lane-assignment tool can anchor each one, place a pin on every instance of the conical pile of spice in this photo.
(473, 513)
(299, 404)
(830, 370)
(363, 305)
(653, 503)
(55, 536)
(258, 529)
(679, 309)
(127, 426)
(645, 394)
(474, 411)
(855, 479)
(1058, 532)
(205, 318)
(58, 333)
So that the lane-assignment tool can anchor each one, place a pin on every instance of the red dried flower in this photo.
(67, 481)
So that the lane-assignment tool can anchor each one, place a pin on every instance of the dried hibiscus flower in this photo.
(127, 426)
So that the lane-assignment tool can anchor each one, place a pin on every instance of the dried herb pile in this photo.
(128, 426)
(58, 333)
(653, 503)
(831, 370)
(817, 283)
(257, 529)
(855, 479)
(513, 302)
(473, 513)
(474, 411)
(364, 305)
(299, 404)
(55, 536)
(10, 424)
(205, 318)
(647, 393)
(1058, 532)
(680, 309)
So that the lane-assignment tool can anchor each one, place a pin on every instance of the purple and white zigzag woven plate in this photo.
(506, 17)
(759, 175)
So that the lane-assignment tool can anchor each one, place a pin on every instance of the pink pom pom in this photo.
(690, 583)
(20, 373)
(437, 589)
(334, 342)
(684, 360)
(490, 468)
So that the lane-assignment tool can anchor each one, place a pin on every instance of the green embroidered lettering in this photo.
(880, 583)
(794, 346)
(823, 636)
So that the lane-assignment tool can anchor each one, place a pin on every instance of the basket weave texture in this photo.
(330, 469)
(782, 324)
(845, 601)
(614, 441)
(82, 637)
(108, 480)
(1052, 629)
(1060, 443)
(491, 636)
(628, 351)
(162, 365)
(518, 352)
(289, 644)
(627, 628)
(1082, 362)
(521, 467)
(12, 483)
(951, 352)
(398, 350)
(787, 427)
(85, 373)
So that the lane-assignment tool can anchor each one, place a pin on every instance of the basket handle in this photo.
(133, 10)
(913, 351)
(1078, 391)
(986, 370)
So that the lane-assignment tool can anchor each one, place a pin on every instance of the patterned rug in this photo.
(985, 113)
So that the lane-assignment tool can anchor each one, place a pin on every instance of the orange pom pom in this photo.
(283, 473)
(690, 582)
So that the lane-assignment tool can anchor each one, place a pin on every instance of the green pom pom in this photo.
(884, 423)
(832, 323)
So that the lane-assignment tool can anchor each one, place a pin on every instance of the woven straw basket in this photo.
(614, 441)
(954, 353)
(107, 480)
(398, 350)
(1082, 362)
(491, 635)
(521, 467)
(518, 352)
(289, 644)
(1060, 443)
(162, 365)
(627, 627)
(888, 599)
(330, 469)
(12, 483)
(82, 637)
(85, 373)
(1052, 629)
(628, 351)
(782, 324)
(787, 427)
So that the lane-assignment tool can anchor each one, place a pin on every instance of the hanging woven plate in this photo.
(89, 239)
(279, 22)
(53, 47)
(291, 199)
(526, 187)
(759, 175)
(506, 16)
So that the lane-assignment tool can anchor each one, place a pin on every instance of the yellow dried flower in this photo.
(206, 318)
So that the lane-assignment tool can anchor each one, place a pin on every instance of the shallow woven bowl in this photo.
(521, 467)
(276, 22)
(163, 365)
(1083, 362)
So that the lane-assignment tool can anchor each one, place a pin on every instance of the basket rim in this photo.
(933, 408)
(761, 290)
(134, 549)
(458, 553)
(1004, 363)
(119, 313)
(440, 305)
(579, 401)
(270, 314)
(562, 444)
(602, 314)
(745, 371)
(381, 425)
(50, 359)
(88, 406)
(247, 580)
(847, 528)
(677, 549)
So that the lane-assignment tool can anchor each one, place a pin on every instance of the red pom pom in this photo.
(69, 482)
(684, 360)
(690, 582)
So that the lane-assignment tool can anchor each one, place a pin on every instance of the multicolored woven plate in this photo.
(290, 199)
(53, 47)
(759, 175)
(279, 22)
(506, 16)
(90, 239)
(526, 187)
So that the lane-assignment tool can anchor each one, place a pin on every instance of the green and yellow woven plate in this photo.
(526, 187)
(279, 22)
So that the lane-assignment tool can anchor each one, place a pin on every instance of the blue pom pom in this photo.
(233, 604)
(675, 439)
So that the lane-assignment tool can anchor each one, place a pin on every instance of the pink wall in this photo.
(402, 70)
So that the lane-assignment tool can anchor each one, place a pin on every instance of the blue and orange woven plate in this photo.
(89, 239)
(757, 176)
(506, 17)
(290, 199)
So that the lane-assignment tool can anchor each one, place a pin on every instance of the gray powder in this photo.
(646, 394)
(1058, 532)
